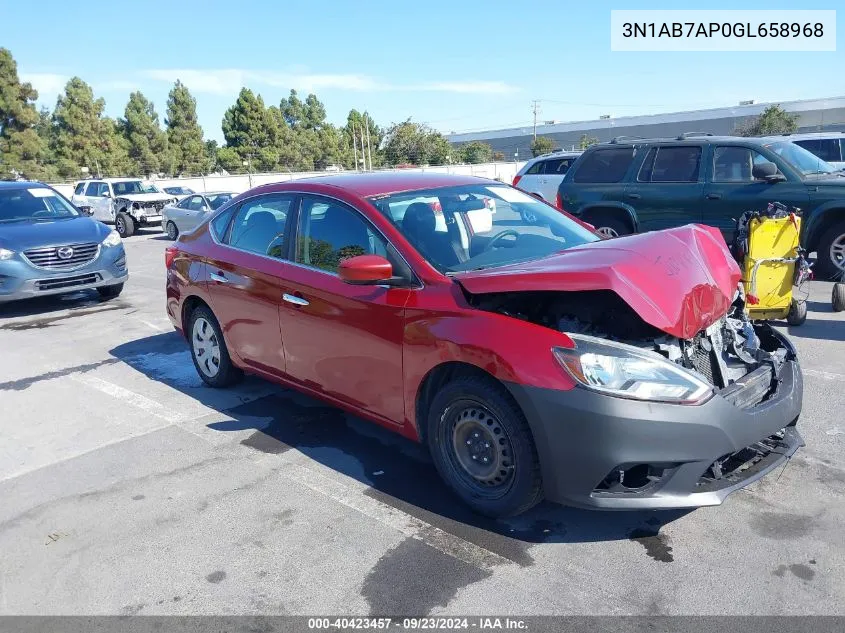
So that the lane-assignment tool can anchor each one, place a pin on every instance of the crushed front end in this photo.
(600, 450)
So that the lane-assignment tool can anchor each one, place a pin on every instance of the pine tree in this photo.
(147, 142)
(184, 132)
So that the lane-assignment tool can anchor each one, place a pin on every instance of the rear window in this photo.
(605, 165)
(535, 169)
(827, 149)
(671, 164)
(79, 189)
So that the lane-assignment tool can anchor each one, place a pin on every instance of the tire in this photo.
(203, 341)
(608, 225)
(832, 241)
(124, 225)
(465, 415)
(110, 292)
(172, 231)
(838, 297)
(797, 312)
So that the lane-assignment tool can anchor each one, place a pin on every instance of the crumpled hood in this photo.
(679, 280)
(20, 236)
(146, 197)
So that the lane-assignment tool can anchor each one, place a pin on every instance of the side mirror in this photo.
(366, 270)
(107, 194)
(767, 172)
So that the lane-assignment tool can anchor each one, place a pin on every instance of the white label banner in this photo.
(723, 30)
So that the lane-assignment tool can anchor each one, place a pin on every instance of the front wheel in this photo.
(209, 351)
(838, 297)
(124, 224)
(797, 312)
(831, 253)
(482, 447)
(171, 230)
(608, 225)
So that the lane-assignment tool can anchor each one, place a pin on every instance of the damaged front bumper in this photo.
(599, 451)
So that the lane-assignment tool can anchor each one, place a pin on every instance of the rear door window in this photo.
(607, 165)
(93, 189)
(671, 164)
(535, 169)
(260, 224)
(557, 166)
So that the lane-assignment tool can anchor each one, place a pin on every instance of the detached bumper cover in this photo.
(705, 452)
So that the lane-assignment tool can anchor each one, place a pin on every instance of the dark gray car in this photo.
(47, 247)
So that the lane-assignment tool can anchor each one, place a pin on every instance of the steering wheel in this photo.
(498, 237)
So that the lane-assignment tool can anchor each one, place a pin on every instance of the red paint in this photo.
(365, 268)
(368, 348)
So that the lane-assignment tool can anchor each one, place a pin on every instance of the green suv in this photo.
(630, 185)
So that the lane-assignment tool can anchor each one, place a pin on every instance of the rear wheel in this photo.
(482, 447)
(110, 292)
(609, 225)
(831, 252)
(209, 351)
(838, 297)
(171, 230)
(124, 224)
(797, 312)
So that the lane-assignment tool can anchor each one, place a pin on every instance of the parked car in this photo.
(534, 360)
(127, 203)
(48, 248)
(632, 185)
(179, 192)
(542, 175)
(829, 146)
(186, 214)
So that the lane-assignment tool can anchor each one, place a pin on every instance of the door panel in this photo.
(340, 339)
(245, 281)
(731, 189)
(669, 187)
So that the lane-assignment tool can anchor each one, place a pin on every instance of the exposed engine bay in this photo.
(730, 350)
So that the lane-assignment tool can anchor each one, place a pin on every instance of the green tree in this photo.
(147, 142)
(585, 141)
(358, 126)
(415, 143)
(184, 132)
(542, 145)
(23, 151)
(83, 137)
(498, 156)
(292, 109)
(773, 120)
(477, 152)
(248, 129)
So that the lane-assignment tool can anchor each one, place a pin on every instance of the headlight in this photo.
(113, 239)
(6, 254)
(628, 372)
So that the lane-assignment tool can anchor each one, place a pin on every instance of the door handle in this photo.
(218, 277)
(633, 196)
(298, 301)
(714, 196)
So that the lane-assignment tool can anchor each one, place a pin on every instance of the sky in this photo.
(461, 65)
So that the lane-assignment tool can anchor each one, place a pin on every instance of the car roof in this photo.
(22, 184)
(380, 183)
(799, 136)
(558, 154)
(698, 139)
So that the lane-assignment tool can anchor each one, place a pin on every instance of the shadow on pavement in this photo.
(398, 471)
(85, 301)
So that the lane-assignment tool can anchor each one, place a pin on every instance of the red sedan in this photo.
(534, 359)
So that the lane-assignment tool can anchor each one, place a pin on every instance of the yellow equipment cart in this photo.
(773, 264)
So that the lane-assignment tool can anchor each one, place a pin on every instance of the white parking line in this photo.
(130, 397)
(824, 374)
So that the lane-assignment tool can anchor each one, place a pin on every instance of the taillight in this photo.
(169, 255)
(558, 201)
(436, 206)
(516, 180)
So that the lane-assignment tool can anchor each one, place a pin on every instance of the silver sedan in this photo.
(186, 214)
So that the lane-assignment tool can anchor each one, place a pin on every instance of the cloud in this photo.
(47, 84)
(230, 81)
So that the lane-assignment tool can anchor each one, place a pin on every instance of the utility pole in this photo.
(536, 108)
(369, 151)
(363, 153)
(354, 147)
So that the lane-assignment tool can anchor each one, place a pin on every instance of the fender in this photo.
(611, 204)
(818, 218)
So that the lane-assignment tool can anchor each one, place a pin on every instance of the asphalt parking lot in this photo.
(126, 487)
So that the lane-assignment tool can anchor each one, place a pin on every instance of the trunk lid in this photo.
(679, 280)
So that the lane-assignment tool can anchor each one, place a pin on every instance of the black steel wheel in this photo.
(482, 446)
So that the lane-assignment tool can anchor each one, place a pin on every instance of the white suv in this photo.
(542, 175)
(128, 203)
(829, 146)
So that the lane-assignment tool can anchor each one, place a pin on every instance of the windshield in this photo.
(217, 200)
(133, 186)
(36, 204)
(802, 160)
(480, 226)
